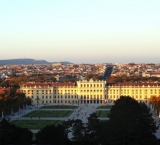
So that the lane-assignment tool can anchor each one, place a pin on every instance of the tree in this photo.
(93, 129)
(155, 102)
(11, 134)
(130, 123)
(67, 125)
(52, 134)
(78, 130)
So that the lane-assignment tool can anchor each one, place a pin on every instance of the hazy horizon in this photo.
(81, 31)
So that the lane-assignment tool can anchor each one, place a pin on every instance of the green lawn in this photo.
(59, 107)
(49, 113)
(101, 113)
(105, 107)
(35, 124)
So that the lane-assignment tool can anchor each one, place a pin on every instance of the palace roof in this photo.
(135, 84)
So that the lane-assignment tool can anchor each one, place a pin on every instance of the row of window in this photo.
(91, 85)
(136, 90)
(72, 97)
(77, 102)
(43, 97)
(116, 97)
(61, 91)
(91, 91)
(46, 101)
(37, 91)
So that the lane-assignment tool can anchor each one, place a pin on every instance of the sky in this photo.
(81, 31)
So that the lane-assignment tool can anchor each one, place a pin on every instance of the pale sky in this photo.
(81, 31)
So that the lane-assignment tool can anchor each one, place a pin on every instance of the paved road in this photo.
(108, 72)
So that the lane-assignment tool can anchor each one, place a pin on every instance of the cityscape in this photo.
(58, 92)
(80, 72)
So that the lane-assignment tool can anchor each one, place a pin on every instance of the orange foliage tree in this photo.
(155, 102)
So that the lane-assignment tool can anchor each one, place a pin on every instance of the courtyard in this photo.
(49, 113)
(102, 113)
(35, 124)
(104, 107)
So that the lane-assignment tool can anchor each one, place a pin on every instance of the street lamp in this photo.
(37, 99)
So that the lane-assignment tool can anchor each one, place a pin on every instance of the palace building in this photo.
(87, 92)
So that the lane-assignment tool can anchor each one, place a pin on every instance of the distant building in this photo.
(57, 64)
(90, 92)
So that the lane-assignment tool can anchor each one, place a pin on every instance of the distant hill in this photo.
(28, 61)
(22, 61)
(63, 62)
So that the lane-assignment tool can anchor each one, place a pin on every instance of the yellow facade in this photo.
(139, 93)
(88, 92)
